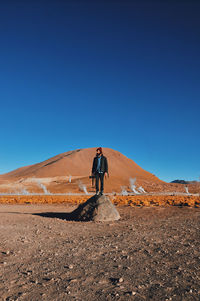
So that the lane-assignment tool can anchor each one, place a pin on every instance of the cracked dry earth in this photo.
(152, 253)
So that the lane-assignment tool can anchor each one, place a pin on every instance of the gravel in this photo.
(151, 253)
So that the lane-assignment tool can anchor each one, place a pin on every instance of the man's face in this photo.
(98, 152)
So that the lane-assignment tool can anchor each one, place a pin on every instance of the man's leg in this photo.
(102, 182)
(97, 181)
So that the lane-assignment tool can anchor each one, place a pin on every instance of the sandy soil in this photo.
(152, 253)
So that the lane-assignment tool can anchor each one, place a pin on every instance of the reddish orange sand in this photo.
(142, 200)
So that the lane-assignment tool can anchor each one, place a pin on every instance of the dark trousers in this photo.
(99, 176)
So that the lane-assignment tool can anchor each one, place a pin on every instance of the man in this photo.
(100, 169)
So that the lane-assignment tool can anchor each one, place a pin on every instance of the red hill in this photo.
(78, 163)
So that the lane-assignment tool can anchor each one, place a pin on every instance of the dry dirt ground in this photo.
(152, 253)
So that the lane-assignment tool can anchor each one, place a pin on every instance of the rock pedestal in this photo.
(97, 208)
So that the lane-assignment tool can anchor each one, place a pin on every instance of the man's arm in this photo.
(93, 166)
(106, 165)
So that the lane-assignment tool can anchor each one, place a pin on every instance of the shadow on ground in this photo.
(60, 215)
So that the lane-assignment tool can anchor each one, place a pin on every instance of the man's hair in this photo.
(100, 149)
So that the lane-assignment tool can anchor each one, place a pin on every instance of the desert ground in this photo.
(151, 253)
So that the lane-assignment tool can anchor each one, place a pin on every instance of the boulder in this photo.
(97, 208)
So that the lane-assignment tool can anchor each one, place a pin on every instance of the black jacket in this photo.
(103, 167)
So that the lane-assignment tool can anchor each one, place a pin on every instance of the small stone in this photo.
(73, 280)
(133, 293)
(8, 252)
(71, 266)
(121, 279)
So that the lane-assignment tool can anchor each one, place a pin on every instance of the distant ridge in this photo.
(183, 182)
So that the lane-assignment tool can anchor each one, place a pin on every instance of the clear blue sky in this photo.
(118, 74)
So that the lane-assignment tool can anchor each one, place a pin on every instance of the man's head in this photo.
(99, 151)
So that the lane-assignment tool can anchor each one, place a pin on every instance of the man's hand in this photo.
(106, 175)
